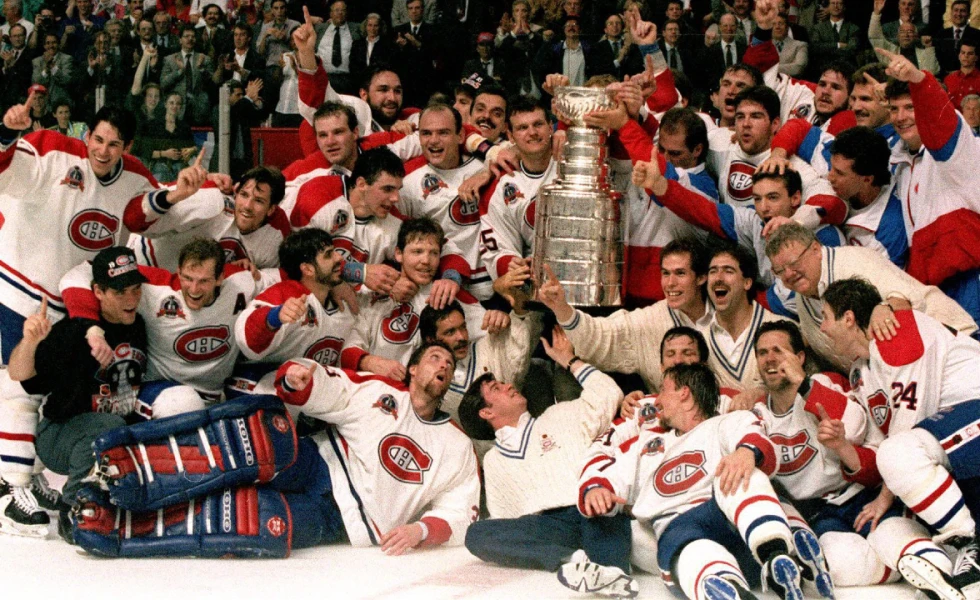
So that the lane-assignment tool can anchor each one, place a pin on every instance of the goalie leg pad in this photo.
(245, 522)
(159, 463)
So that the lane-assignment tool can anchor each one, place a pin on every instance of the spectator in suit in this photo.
(486, 64)
(675, 52)
(213, 39)
(742, 9)
(243, 63)
(17, 68)
(144, 42)
(716, 58)
(102, 68)
(519, 48)
(14, 15)
(78, 31)
(948, 40)
(413, 55)
(400, 13)
(793, 54)
(923, 57)
(571, 56)
(188, 73)
(334, 40)
(966, 80)
(835, 38)
(374, 46)
(675, 12)
(54, 70)
(166, 42)
(609, 54)
(247, 111)
(908, 12)
(273, 41)
(130, 21)
(970, 107)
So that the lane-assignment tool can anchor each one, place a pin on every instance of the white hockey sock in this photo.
(702, 558)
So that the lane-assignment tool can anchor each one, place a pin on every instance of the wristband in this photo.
(886, 305)
(425, 530)
(354, 271)
(454, 276)
(804, 388)
(272, 319)
(571, 362)
(95, 331)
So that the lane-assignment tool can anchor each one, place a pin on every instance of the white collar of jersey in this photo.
(512, 441)
(826, 270)
(533, 175)
(113, 175)
(736, 368)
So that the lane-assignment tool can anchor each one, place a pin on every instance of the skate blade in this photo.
(924, 575)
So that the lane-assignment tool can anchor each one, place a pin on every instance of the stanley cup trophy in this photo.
(577, 229)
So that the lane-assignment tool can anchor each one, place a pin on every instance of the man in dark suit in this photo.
(518, 49)
(374, 48)
(166, 42)
(17, 68)
(241, 64)
(715, 59)
(487, 64)
(834, 39)
(609, 54)
(213, 39)
(675, 51)
(570, 57)
(413, 55)
(948, 40)
(334, 43)
(188, 73)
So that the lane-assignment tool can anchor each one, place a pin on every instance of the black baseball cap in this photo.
(116, 268)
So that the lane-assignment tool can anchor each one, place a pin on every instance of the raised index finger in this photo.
(44, 307)
(197, 161)
(30, 101)
(823, 412)
(306, 15)
(886, 53)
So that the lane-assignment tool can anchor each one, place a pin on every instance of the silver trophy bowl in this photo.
(571, 103)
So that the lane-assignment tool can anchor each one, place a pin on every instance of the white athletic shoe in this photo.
(715, 587)
(20, 513)
(582, 575)
(927, 577)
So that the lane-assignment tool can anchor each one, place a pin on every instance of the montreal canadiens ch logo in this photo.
(881, 411)
(400, 326)
(276, 526)
(740, 180)
(234, 250)
(203, 343)
(464, 212)
(529, 214)
(403, 458)
(795, 452)
(680, 474)
(93, 230)
(325, 351)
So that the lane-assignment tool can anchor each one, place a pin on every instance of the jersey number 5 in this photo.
(903, 393)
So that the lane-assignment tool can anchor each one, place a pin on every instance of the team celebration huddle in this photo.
(680, 287)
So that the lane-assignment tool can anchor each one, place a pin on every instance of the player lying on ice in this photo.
(390, 471)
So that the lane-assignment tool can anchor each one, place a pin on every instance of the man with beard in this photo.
(251, 230)
(340, 484)
(296, 318)
(831, 97)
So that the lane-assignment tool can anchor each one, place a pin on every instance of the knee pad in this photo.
(852, 560)
(19, 417)
(155, 464)
(245, 522)
(176, 400)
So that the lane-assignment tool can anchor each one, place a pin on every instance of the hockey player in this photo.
(935, 169)
(190, 319)
(530, 476)
(776, 198)
(828, 468)
(85, 397)
(386, 331)
(392, 471)
(248, 226)
(431, 190)
(628, 341)
(806, 268)
(921, 390)
(296, 318)
(700, 483)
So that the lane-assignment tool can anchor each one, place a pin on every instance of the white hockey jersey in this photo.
(55, 213)
(208, 214)
(387, 465)
(664, 474)
(192, 347)
(433, 193)
(321, 202)
(922, 369)
(733, 359)
(390, 329)
(507, 217)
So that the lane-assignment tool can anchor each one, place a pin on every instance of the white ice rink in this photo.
(51, 569)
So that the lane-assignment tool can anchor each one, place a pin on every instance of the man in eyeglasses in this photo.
(806, 267)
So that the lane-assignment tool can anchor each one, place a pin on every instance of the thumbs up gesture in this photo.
(647, 175)
(300, 376)
(830, 432)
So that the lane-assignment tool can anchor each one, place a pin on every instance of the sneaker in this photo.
(47, 498)
(20, 513)
(928, 578)
(966, 571)
(583, 575)
(813, 565)
(781, 574)
(715, 587)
